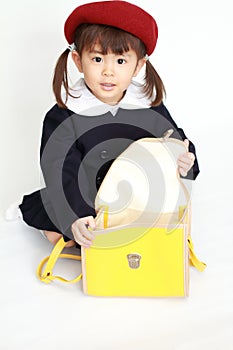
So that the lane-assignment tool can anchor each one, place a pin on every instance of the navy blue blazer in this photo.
(77, 151)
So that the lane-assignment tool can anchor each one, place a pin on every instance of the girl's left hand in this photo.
(185, 160)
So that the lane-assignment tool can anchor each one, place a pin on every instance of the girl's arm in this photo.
(185, 160)
(60, 163)
(194, 170)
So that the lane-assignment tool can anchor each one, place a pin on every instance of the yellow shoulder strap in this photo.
(46, 275)
(193, 259)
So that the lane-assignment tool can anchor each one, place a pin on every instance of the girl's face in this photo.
(108, 76)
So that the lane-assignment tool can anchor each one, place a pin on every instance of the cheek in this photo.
(88, 74)
(127, 78)
(91, 71)
(127, 73)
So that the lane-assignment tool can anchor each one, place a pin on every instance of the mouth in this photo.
(107, 86)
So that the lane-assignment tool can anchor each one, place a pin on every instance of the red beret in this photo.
(120, 14)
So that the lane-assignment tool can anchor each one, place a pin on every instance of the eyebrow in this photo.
(101, 53)
(96, 51)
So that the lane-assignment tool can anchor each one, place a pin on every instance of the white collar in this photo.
(88, 104)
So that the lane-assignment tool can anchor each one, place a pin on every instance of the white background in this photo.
(194, 57)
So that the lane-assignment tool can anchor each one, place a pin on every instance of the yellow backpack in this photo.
(143, 245)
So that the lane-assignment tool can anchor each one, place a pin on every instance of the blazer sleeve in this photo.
(61, 160)
(194, 171)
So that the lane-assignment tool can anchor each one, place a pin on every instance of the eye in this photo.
(121, 61)
(97, 59)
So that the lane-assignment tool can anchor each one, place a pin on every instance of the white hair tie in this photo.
(72, 47)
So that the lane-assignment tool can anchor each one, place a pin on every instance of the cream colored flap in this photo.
(143, 179)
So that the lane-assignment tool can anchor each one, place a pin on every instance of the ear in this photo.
(77, 60)
(139, 66)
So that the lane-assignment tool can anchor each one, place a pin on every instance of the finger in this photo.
(90, 221)
(191, 156)
(86, 244)
(83, 241)
(88, 234)
(187, 157)
(183, 167)
(80, 238)
(185, 164)
(185, 161)
(186, 143)
(183, 172)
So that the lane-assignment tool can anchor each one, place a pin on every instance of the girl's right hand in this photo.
(82, 235)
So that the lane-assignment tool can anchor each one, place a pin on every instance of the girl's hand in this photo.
(186, 160)
(82, 235)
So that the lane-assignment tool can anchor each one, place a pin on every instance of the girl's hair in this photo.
(113, 40)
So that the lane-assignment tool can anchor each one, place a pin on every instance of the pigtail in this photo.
(153, 81)
(60, 78)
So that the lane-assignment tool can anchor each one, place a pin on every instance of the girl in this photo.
(91, 124)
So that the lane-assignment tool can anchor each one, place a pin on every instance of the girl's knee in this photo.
(70, 244)
(54, 237)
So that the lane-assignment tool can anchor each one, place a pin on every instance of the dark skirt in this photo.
(34, 213)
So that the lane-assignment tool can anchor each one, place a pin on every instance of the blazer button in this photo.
(104, 154)
(98, 180)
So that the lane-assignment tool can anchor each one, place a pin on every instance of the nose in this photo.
(108, 70)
